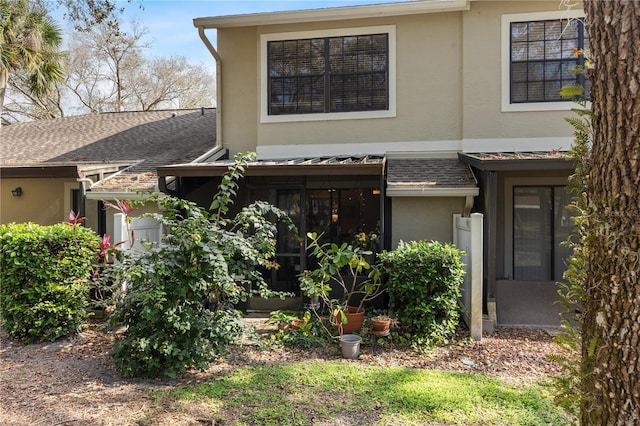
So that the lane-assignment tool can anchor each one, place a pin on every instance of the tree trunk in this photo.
(611, 327)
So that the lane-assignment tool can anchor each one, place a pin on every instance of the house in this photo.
(390, 119)
(50, 167)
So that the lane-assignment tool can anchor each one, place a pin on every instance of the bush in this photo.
(44, 272)
(178, 307)
(423, 281)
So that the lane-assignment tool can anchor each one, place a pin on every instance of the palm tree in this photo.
(29, 42)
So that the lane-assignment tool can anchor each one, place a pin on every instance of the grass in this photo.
(315, 392)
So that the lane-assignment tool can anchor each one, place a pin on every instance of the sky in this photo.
(170, 22)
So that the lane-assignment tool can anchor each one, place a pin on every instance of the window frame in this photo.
(390, 30)
(507, 20)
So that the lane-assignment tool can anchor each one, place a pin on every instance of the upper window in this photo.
(540, 55)
(323, 76)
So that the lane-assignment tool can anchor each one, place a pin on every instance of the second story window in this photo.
(541, 56)
(328, 74)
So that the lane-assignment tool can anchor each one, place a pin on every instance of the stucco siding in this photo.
(42, 201)
(448, 85)
(238, 49)
(423, 218)
(482, 76)
(428, 87)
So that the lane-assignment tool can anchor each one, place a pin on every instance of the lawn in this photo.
(350, 393)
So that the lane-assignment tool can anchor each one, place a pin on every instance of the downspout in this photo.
(82, 207)
(218, 60)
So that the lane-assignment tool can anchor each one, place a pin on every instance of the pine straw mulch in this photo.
(73, 381)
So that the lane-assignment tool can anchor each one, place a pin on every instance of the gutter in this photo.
(218, 60)
(213, 154)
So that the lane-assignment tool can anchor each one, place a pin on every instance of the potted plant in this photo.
(345, 271)
(283, 320)
(381, 324)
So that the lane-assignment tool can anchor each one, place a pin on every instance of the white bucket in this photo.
(350, 344)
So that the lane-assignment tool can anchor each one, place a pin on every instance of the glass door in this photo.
(289, 248)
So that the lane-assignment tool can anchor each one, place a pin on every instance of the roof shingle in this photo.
(143, 140)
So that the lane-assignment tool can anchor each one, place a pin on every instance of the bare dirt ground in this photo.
(73, 381)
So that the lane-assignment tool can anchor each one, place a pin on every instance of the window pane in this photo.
(519, 92)
(519, 51)
(536, 50)
(552, 30)
(519, 72)
(535, 71)
(536, 31)
(552, 71)
(532, 233)
(519, 32)
(535, 92)
(553, 49)
(552, 90)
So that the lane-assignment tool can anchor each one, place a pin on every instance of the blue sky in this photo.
(170, 22)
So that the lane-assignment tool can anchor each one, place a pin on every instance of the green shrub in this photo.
(178, 306)
(309, 332)
(423, 281)
(44, 272)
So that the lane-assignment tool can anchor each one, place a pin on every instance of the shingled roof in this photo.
(135, 143)
(429, 176)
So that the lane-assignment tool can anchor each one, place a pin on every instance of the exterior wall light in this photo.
(17, 192)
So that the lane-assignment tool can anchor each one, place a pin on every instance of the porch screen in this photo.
(331, 74)
(541, 222)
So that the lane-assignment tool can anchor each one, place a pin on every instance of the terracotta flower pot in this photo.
(355, 319)
(295, 324)
(380, 324)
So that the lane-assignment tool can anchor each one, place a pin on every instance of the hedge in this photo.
(44, 272)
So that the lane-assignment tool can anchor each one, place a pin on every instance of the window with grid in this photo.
(542, 56)
(328, 74)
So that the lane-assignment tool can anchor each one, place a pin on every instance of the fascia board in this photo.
(431, 192)
(332, 14)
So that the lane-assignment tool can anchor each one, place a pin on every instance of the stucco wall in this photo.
(238, 50)
(42, 201)
(423, 218)
(428, 87)
(482, 105)
(449, 85)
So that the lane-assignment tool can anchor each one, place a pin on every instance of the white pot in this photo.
(350, 344)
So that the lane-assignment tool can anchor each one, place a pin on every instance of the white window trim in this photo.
(264, 96)
(507, 106)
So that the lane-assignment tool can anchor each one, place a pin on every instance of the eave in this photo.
(332, 14)
(210, 170)
(426, 191)
(58, 170)
(525, 162)
(7, 172)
